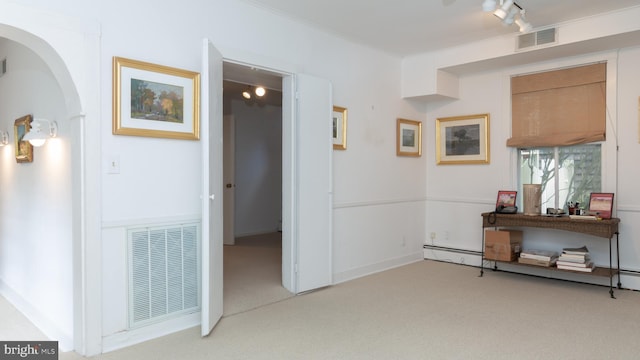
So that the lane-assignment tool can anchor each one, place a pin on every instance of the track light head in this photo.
(503, 11)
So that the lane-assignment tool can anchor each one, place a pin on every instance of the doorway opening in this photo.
(252, 143)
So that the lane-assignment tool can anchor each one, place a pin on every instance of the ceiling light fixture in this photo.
(260, 91)
(247, 93)
(507, 12)
(36, 136)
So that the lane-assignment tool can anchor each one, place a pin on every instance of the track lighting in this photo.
(489, 5)
(507, 12)
(258, 90)
(522, 23)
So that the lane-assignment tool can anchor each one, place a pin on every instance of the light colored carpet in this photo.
(253, 273)
(426, 310)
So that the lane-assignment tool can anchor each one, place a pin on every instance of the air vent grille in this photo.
(163, 272)
(537, 38)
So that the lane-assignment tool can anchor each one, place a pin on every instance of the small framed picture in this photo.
(155, 100)
(409, 137)
(601, 205)
(506, 198)
(339, 128)
(462, 140)
(24, 149)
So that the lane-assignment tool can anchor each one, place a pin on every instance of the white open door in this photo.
(212, 197)
(314, 194)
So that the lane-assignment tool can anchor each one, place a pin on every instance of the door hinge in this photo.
(295, 268)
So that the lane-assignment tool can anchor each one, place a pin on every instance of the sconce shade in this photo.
(36, 136)
(4, 138)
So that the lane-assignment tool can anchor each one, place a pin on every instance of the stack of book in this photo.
(538, 257)
(575, 259)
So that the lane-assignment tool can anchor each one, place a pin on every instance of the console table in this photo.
(599, 228)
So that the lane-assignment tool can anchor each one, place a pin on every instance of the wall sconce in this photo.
(4, 138)
(37, 136)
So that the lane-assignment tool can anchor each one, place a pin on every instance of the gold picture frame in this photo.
(155, 101)
(339, 128)
(24, 149)
(408, 137)
(462, 139)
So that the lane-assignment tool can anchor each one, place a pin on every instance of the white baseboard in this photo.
(377, 267)
(135, 336)
(44, 324)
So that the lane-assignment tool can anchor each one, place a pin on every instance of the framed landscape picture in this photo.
(24, 149)
(462, 140)
(408, 137)
(155, 101)
(339, 128)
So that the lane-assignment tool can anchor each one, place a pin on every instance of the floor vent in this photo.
(163, 272)
(537, 38)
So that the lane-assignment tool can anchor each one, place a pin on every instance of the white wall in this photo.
(458, 194)
(159, 178)
(35, 211)
(258, 168)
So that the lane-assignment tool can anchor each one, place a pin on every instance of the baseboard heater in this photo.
(453, 250)
(164, 272)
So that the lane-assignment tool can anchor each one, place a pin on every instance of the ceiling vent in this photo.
(537, 38)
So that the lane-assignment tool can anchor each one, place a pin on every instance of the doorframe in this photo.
(289, 244)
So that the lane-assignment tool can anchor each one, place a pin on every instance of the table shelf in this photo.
(606, 229)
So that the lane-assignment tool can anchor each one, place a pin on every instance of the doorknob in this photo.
(229, 186)
(212, 196)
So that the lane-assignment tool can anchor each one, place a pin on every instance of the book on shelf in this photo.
(576, 251)
(536, 262)
(574, 264)
(574, 258)
(589, 268)
(543, 255)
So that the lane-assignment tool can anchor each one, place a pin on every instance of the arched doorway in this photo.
(70, 50)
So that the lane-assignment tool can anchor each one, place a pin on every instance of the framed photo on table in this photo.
(462, 140)
(601, 205)
(155, 100)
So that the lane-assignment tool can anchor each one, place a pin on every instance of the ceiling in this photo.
(408, 27)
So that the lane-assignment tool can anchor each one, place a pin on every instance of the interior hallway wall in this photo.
(35, 211)
(258, 167)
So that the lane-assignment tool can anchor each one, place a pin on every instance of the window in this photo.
(567, 173)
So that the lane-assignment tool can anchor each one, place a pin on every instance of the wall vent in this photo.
(163, 272)
(537, 38)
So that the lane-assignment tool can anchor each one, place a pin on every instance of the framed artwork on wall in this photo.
(155, 101)
(462, 139)
(408, 137)
(24, 149)
(339, 128)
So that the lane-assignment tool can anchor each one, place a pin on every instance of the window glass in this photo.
(567, 174)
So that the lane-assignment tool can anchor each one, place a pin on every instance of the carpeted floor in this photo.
(425, 310)
(253, 273)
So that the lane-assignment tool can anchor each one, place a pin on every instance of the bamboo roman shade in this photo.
(559, 108)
